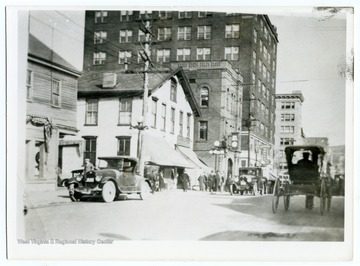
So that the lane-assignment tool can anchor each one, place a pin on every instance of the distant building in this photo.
(328, 165)
(288, 125)
(338, 159)
(230, 59)
(51, 94)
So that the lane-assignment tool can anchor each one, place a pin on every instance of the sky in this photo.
(311, 51)
(311, 47)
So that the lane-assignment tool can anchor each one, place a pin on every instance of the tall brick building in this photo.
(230, 60)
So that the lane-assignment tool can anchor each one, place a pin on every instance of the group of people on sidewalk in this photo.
(214, 182)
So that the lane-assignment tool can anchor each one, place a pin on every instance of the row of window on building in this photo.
(286, 141)
(125, 115)
(287, 105)
(102, 16)
(262, 69)
(264, 91)
(260, 128)
(124, 15)
(165, 34)
(287, 117)
(287, 129)
(163, 55)
(258, 106)
(123, 146)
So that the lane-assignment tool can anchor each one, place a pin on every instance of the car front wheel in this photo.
(108, 192)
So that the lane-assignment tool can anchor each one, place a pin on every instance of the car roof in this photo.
(312, 148)
(129, 158)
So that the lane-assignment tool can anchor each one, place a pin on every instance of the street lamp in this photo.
(140, 127)
(218, 150)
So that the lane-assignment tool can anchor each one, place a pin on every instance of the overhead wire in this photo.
(120, 49)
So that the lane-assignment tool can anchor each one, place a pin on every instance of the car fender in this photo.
(72, 181)
(146, 180)
(106, 179)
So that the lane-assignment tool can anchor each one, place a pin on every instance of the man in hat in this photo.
(88, 165)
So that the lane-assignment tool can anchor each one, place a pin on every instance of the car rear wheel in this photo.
(108, 192)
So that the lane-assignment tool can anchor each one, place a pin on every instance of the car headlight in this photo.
(98, 178)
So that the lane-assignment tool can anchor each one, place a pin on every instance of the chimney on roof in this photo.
(109, 80)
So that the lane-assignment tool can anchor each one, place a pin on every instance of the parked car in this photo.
(63, 181)
(114, 175)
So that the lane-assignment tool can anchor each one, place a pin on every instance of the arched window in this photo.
(204, 97)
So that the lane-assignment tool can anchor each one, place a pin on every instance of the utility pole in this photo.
(146, 68)
(145, 55)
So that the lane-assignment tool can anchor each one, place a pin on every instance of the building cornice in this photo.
(290, 96)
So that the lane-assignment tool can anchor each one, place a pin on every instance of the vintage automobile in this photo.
(248, 180)
(64, 180)
(114, 175)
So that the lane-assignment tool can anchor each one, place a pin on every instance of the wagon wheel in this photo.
(323, 196)
(286, 197)
(276, 196)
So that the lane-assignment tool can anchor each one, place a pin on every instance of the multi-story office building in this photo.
(230, 60)
(288, 126)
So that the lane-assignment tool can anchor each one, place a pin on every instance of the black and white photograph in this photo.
(180, 133)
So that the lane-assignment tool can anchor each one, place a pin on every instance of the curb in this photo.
(36, 199)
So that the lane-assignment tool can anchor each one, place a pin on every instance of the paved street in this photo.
(192, 215)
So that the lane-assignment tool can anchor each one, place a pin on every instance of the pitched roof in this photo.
(39, 50)
(130, 84)
(91, 83)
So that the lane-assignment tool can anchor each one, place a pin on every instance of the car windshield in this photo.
(119, 164)
(249, 171)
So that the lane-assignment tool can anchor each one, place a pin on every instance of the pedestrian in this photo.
(161, 180)
(201, 180)
(206, 182)
(217, 181)
(88, 165)
(185, 181)
(222, 183)
(211, 181)
(152, 178)
(227, 183)
(260, 186)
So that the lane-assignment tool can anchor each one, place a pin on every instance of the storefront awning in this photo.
(191, 155)
(158, 151)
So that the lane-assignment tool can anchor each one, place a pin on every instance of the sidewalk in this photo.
(35, 199)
